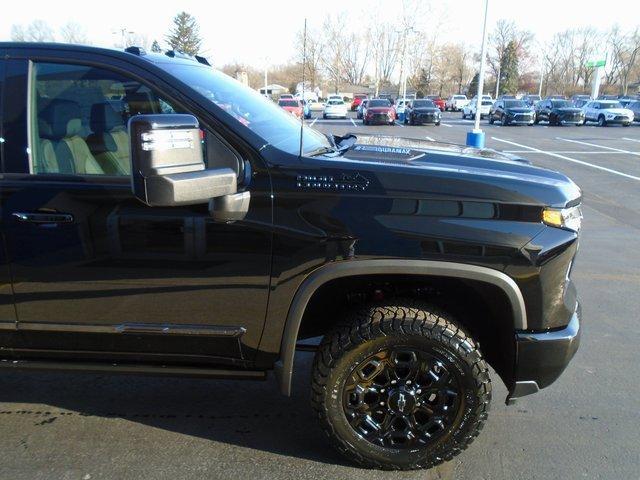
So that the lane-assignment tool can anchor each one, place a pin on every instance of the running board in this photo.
(131, 369)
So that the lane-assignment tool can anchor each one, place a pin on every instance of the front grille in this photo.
(622, 118)
(571, 117)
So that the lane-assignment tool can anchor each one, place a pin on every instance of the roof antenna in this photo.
(304, 60)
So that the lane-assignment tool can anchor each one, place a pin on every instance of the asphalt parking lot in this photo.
(77, 426)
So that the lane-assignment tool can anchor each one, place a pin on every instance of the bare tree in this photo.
(332, 30)
(503, 34)
(36, 31)
(355, 59)
(625, 54)
(314, 53)
(72, 32)
(384, 47)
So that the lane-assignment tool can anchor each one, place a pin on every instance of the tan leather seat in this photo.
(45, 160)
(72, 153)
(109, 141)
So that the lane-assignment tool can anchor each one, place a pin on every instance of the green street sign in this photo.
(596, 63)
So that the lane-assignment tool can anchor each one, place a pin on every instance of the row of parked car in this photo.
(560, 111)
(507, 110)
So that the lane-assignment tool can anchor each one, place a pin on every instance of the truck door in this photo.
(96, 273)
(8, 323)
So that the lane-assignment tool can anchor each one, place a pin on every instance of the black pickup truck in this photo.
(158, 217)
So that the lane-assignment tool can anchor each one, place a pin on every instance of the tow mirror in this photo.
(167, 163)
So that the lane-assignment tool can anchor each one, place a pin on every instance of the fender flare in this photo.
(351, 268)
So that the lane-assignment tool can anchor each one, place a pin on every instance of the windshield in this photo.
(560, 103)
(423, 104)
(276, 126)
(335, 102)
(486, 102)
(514, 104)
(459, 97)
(379, 103)
(610, 105)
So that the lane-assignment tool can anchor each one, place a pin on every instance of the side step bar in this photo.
(131, 369)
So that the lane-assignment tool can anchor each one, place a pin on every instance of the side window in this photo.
(78, 118)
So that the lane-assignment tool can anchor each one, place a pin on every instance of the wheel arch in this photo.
(355, 268)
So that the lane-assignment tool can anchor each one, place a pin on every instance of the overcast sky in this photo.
(248, 31)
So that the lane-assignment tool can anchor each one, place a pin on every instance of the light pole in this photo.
(123, 35)
(475, 138)
(541, 75)
(498, 80)
(403, 73)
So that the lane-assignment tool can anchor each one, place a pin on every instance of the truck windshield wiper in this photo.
(322, 151)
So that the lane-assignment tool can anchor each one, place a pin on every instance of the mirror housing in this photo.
(167, 164)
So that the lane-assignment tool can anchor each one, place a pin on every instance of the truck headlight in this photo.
(570, 218)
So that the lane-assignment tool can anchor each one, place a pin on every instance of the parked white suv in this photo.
(607, 112)
(456, 102)
(469, 110)
(335, 108)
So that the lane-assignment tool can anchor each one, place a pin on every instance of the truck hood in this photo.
(443, 168)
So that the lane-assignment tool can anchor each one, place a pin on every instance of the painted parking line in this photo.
(446, 125)
(354, 123)
(314, 121)
(399, 124)
(564, 152)
(569, 159)
(430, 139)
(588, 144)
(631, 139)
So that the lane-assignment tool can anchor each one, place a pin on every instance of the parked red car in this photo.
(292, 106)
(440, 102)
(379, 110)
(357, 100)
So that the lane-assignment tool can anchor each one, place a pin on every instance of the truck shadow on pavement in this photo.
(248, 414)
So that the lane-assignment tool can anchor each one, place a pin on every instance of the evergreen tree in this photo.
(509, 77)
(473, 86)
(155, 47)
(185, 34)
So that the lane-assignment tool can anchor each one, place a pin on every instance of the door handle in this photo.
(31, 217)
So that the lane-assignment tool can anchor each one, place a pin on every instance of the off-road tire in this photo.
(399, 322)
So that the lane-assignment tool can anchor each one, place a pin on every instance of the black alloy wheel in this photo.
(401, 397)
(400, 386)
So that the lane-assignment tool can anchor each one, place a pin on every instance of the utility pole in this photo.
(498, 80)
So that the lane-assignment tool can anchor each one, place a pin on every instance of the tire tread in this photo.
(402, 317)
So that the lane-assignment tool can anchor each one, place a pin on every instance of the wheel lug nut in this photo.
(418, 391)
(382, 390)
(382, 404)
(393, 382)
(408, 382)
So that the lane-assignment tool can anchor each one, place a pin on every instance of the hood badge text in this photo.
(353, 182)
